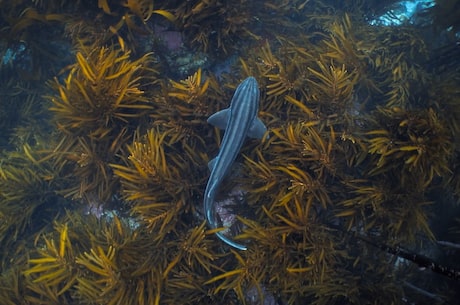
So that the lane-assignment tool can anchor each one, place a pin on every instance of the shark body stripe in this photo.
(239, 120)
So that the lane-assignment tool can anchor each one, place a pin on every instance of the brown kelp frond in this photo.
(26, 33)
(350, 290)
(417, 141)
(110, 267)
(212, 24)
(26, 179)
(284, 77)
(102, 263)
(304, 171)
(332, 88)
(32, 17)
(144, 10)
(282, 71)
(307, 144)
(248, 272)
(309, 256)
(54, 267)
(291, 138)
(319, 151)
(12, 286)
(23, 115)
(185, 284)
(319, 86)
(148, 164)
(141, 8)
(261, 174)
(100, 101)
(304, 184)
(445, 96)
(102, 91)
(193, 251)
(367, 197)
(376, 206)
(88, 160)
(380, 62)
(133, 17)
(183, 107)
(344, 48)
(190, 89)
(34, 127)
(150, 180)
(88, 259)
(404, 77)
(267, 62)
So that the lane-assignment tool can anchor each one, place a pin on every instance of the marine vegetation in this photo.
(150, 181)
(26, 193)
(352, 198)
(198, 20)
(98, 105)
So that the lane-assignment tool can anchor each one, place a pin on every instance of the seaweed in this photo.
(95, 110)
(104, 166)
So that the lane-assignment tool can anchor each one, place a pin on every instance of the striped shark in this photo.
(239, 121)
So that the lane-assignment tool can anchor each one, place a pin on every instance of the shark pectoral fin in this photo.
(257, 129)
(211, 164)
(220, 118)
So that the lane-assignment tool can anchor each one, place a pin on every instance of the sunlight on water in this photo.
(404, 12)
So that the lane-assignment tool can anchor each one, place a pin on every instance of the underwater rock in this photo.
(185, 62)
(225, 209)
(253, 296)
(172, 40)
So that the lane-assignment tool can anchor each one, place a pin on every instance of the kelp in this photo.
(105, 206)
(100, 98)
(149, 181)
(27, 191)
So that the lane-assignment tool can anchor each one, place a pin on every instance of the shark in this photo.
(239, 121)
